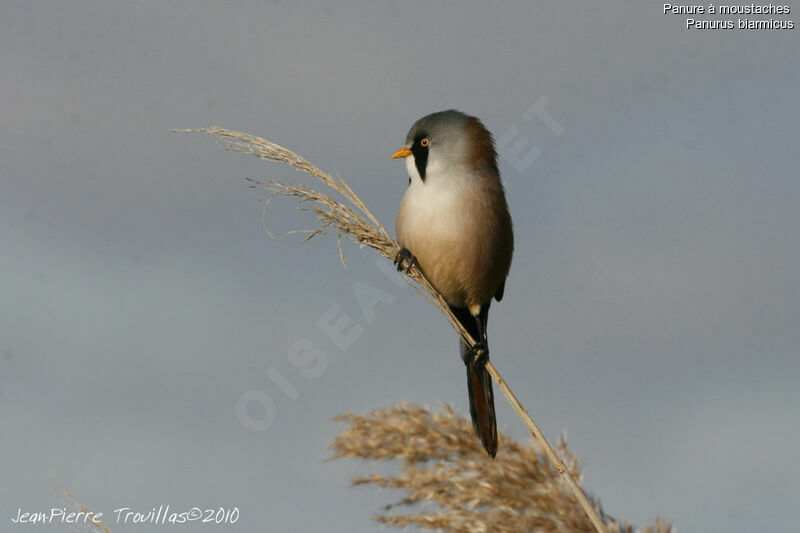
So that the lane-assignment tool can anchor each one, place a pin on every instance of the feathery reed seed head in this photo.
(444, 476)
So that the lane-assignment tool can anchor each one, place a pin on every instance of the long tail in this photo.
(481, 404)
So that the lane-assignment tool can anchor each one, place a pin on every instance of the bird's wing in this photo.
(499, 294)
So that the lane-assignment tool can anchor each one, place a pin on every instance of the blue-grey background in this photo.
(651, 312)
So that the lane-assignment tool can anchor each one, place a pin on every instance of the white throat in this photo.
(434, 167)
(411, 168)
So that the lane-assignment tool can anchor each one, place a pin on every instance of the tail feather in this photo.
(481, 406)
(479, 381)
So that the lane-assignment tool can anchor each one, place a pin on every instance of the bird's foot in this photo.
(478, 355)
(404, 260)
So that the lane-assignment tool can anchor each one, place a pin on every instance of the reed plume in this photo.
(444, 478)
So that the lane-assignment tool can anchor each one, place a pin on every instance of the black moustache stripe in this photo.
(420, 155)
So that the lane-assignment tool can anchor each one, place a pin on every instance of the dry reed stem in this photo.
(75, 504)
(454, 488)
(365, 229)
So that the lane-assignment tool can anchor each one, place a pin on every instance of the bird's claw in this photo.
(478, 354)
(404, 260)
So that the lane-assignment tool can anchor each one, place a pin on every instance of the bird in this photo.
(453, 223)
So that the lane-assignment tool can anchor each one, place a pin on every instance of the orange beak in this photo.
(402, 152)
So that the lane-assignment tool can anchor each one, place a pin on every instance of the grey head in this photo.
(447, 139)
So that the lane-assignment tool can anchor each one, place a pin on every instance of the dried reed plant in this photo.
(447, 479)
(74, 505)
(352, 219)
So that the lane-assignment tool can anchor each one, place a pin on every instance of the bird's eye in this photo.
(425, 142)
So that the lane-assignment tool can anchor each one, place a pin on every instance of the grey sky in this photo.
(651, 312)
